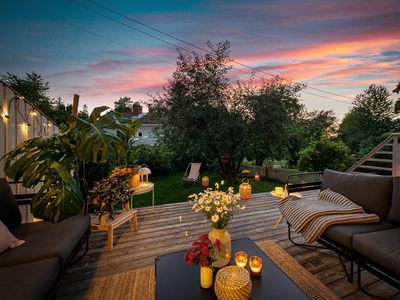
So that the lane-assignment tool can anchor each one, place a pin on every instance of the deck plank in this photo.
(162, 233)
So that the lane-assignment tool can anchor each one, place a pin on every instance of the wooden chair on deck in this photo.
(193, 174)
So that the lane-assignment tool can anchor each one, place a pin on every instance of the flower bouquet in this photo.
(202, 252)
(217, 206)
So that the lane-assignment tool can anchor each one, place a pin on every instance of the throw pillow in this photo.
(9, 211)
(7, 239)
(334, 197)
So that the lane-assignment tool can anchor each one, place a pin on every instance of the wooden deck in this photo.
(162, 232)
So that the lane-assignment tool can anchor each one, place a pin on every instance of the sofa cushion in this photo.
(382, 247)
(7, 239)
(9, 211)
(343, 233)
(46, 240)
(29, 281)
(394, 213)
(372, 192)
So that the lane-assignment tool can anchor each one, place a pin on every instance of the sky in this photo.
(338, 47)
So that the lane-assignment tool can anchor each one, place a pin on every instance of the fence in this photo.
(272, 173)
(20, 121)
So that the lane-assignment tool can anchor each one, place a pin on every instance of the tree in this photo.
(207, 114)
(371, 116)
(84, 114)
(123, 105)
(397, 104)
(34, 89)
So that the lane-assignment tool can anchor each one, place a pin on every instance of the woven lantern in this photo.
(205, 181)
(245, 190)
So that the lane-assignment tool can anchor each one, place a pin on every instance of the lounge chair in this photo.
(194, 173)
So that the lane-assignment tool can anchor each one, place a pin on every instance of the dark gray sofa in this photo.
(32, 270)
(373, 246)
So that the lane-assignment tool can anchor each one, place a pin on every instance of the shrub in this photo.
(158, 158)
(325, 154)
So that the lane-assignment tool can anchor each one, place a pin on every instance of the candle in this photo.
(241, 259)
(255, 266)
(257, 177)
(278, 190)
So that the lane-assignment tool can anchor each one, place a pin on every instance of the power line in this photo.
(203, 49)
(95, 34)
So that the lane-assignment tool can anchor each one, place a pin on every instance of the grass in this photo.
(167, 188)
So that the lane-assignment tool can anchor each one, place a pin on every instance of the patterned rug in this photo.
(139, 284)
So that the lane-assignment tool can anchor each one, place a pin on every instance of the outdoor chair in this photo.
(193, 174)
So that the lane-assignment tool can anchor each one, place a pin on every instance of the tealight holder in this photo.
(255, 264)
(278, 190)
(241, 259)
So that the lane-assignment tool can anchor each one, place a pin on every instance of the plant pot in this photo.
(225, 243)
(134, 178)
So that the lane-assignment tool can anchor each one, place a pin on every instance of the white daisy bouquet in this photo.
(217, 206)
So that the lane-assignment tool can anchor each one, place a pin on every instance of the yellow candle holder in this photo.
(278, 190)
(241, 259)
(255, 264)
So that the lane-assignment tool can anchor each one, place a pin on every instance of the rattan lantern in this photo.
(256, 177)
(245, 190)
(205, 181)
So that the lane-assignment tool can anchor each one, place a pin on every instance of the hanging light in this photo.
(144, 173)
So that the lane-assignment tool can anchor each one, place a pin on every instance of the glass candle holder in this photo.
(241, 259)
(255, 266)
(278, 190)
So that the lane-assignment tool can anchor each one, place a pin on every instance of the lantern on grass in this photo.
(256, 177)
(144, 174)
(245, 190)
(205, 181)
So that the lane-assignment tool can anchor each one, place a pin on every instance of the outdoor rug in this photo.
(139, 284)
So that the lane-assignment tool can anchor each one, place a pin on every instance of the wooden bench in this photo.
(106, 224)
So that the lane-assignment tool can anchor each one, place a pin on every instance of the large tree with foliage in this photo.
(205, 113)
(123, 104)
(372, 115)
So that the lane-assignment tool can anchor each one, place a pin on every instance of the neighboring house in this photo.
(144, 133)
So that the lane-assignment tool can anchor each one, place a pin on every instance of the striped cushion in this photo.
(334, 197)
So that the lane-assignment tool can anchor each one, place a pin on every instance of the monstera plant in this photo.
(55, 160)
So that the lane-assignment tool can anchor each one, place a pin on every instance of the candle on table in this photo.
(241, 259)
(255, 266)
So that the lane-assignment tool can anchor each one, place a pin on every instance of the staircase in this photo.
(383, 160)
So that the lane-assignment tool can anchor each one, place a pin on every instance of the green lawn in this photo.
(167, 189)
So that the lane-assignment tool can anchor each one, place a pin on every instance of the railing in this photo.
(383, 160)
(272, 173)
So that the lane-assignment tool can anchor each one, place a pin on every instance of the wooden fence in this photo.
(271, 173)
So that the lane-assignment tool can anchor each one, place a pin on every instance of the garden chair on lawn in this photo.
(193, 174)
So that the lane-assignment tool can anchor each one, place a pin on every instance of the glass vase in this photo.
(206, 277)
(225, 242)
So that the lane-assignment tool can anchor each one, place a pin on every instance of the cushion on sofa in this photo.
(394, 213)
(46, 240)
(382, 247)
(7, 239)
(372, 192)
(343, 233)
(9, 211)
(29, 281)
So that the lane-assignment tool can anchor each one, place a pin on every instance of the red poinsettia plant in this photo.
(202, 252)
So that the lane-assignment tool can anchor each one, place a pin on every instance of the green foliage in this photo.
(157, 157)
(372, 115)
(325, 154)
(206, 115)
(129, 138)
(123, 105)
(56, 161)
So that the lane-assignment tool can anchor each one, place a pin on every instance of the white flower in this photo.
(201, 201)
(196, 209)
(243, 207)
(215, 218)
(220, 210)
(217, 203)
(208, 208)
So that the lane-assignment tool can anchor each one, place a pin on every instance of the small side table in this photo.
(281, 196)
(141, 189)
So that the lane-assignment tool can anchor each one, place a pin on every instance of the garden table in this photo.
(141, 189)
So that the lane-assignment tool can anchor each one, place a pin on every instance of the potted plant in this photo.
(55, 160)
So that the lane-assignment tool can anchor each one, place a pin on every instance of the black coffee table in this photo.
(176, 280)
